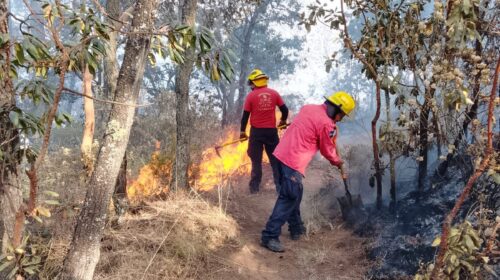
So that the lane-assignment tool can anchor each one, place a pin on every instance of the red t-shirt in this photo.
(261, 103)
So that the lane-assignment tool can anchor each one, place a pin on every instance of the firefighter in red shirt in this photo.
(312, 129)
(260, 105)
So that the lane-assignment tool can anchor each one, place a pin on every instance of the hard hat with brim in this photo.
(343, 100)
(258, 78)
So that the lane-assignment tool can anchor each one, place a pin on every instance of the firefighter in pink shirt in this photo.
(312, 129)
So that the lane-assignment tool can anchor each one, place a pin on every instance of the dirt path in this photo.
(330, 253)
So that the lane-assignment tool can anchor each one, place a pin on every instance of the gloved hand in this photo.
(282, 123)
(343, 172)
(243, 135)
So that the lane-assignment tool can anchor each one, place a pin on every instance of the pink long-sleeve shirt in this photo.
(310, 131)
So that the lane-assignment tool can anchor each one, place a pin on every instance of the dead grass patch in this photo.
(169, 239)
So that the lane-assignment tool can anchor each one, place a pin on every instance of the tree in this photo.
(85, 246)
(188, 17)
(88, 130)
(249, 33)
(10, 192)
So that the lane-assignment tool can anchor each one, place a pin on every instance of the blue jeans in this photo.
(287, 207)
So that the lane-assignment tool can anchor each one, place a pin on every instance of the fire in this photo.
(151, 180)
(233, 160)
(213, 170)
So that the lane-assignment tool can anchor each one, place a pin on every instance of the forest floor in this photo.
(328, 252)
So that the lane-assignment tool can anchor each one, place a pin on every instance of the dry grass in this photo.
(169, 239)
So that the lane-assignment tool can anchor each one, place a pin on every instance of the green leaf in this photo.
(14, 118)
(13, 272)
(152, 59)
(43, 211)
(19, 53)
(466, 6)
(52, 202)
(38, 219)
(4, 265)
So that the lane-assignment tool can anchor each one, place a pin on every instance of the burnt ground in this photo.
(404, 237)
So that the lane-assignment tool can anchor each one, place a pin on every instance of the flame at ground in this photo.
(151, 180)
(214, 170)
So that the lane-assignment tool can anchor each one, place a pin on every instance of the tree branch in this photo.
(70, 91)
(470, 183)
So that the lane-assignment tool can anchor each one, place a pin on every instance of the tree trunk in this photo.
(376, 157)
(120, 200)
(245, 56)
(88, 129)
(10, 191)
(423, 138)
(84, 252)
(392, 160)
(188, 17)
(110, 62)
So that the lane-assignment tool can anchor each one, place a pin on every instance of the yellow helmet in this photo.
(258, 78)
(343, 100)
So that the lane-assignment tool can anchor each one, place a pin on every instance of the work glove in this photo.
(243, 135)
(343, 172)
(282, 124)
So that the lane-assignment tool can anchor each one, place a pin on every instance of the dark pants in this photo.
(287, 207)
(260, 139)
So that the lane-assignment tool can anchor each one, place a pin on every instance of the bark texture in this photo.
(88, 129)
(181, 181)
(120, 200)
(84, 252)
(10, 192)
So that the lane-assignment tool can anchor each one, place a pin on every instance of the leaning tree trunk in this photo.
(10, 192)
(84, 252)
(188, 17)
(120, 200)
(88, 128)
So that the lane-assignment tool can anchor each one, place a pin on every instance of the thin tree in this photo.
(188, 17)
(84, 250)
(10, 192)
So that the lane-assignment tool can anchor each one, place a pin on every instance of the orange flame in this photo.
(233, 160)
(213, 170)
(151, 180)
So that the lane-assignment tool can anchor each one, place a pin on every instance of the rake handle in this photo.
(246, 138)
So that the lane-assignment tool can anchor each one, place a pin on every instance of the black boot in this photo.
(273, 245)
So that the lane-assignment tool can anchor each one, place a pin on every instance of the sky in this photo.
(310, 75)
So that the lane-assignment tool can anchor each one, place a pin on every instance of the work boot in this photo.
(273, 245)
(296, 235)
